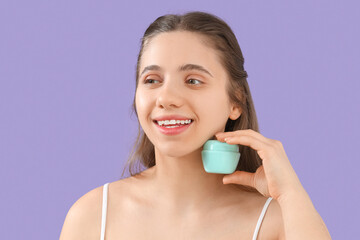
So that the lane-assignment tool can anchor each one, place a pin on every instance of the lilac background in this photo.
(67, 72)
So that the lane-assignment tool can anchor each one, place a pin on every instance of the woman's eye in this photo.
(195, 80)
(149, 80)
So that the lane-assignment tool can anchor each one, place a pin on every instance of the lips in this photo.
(174, 130)
(176, 124)
(171, 117)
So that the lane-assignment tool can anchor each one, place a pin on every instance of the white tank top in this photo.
(104, 210)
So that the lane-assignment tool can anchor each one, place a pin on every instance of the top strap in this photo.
(261, 218)
(104, 209)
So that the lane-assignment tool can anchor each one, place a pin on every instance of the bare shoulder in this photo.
(273, 222)
(83, 219)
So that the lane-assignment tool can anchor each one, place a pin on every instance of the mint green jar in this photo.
(220, 157)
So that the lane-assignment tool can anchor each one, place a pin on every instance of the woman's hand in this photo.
(276, 177)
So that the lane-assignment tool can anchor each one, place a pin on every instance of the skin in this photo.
(177, 199)
(171, 92)
(276, 178)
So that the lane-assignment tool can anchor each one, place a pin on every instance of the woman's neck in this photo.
(183, 184)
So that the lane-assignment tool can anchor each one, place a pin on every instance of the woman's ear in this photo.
(235, 113)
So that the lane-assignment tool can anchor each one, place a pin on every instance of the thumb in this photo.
(240, 177)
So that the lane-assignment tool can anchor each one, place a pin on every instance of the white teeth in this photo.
(172, 122)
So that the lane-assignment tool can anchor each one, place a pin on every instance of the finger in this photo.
(244, 132)
(247, 140)
(240, 177)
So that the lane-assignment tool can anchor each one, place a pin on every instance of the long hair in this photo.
(221, 38)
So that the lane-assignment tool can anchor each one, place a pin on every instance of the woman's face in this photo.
(191, 93)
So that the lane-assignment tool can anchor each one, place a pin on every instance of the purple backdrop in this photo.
(67, 74)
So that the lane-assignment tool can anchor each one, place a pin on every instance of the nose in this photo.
(169, 96)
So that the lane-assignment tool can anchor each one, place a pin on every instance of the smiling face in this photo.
(191, 92)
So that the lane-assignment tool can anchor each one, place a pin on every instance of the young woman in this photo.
(190, 67)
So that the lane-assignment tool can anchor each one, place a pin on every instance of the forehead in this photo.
(173, 49)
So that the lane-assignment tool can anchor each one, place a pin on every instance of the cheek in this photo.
(215, 105)
(214, 112)
(141, 105)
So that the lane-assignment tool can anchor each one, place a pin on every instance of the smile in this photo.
(172, 129)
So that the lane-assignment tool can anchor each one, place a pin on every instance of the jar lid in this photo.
(215, 145)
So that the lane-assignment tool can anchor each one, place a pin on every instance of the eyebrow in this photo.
(185, 67)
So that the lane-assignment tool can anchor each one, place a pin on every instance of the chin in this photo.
(173, 150)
